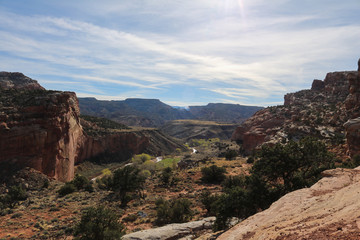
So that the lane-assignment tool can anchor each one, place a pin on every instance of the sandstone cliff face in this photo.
(320, 111)
(122, 145)
(40, 130)
(327, 210)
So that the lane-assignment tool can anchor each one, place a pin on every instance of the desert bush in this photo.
(66, 189)
(167, 177)
(81, 182)
(141, 158)
(230, 154)
(278, 169)
(15, 194)
(250, 160)
(175, 211)
(233, 181)
(78, 183)
(209, 201)
(104, 182)
(234, 203)
(351, 162)
(145, 173)
(99, 224)
(149, 165)
(125, 180)
(46, 183)
(213, 174)
(106, 172)
(296, 164)
(130, 218)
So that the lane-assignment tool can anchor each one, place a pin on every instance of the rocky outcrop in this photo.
(317, 85)
(320, 112)
(324, 211)
(352, 104)
(352, 128)
(173, 231)
(15, 80)
(40, 129)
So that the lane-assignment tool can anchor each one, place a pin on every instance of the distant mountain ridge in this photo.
(154, 113)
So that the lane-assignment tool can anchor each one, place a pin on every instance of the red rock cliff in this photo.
(41, 130)
(320, 111)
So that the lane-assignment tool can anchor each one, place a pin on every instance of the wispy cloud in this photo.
(246, 51)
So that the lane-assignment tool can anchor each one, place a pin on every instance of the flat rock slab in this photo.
(172, 231)
(330, 209)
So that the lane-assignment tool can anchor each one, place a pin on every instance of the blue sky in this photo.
(188, 52)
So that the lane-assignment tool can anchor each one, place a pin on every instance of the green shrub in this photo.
(66, 189)
(145, 173)
(46, 183)
(233, 181)
(296, 164)
(231, 154)
(99, 224)
(234, 203)
(130, 218)
(141, 158)
(167, 177)
(149, 165)
(209, 201)
(15, 194)
(250, 160)
(351, 163)
(125, 180)
(16, 215)
(279, 169)
(213, 174)
(78, 183)
(176, 211)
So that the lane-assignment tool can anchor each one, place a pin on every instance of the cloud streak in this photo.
(238, 51)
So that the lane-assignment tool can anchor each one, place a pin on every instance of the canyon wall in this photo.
(42, 129)
(320, 112)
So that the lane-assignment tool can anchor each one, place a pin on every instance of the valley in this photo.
(281, 172)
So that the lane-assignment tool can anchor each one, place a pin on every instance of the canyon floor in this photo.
(46, 215)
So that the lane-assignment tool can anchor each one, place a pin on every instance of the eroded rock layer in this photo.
(320, 112)
(42, 129)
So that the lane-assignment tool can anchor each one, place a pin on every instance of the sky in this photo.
(188, 52)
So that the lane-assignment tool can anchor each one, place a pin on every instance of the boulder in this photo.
(172, 231)
(352, 128)
(317, 85)
(15, 80)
